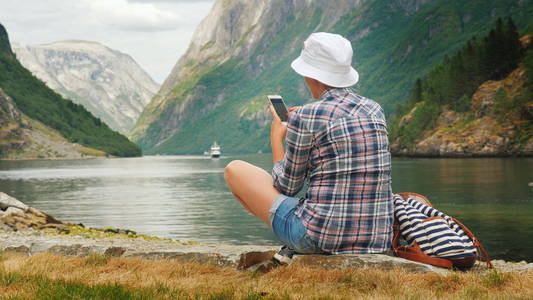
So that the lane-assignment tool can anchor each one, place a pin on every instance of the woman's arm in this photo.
(277, 134)
(289, 172)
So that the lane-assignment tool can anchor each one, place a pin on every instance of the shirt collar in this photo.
(333, 92)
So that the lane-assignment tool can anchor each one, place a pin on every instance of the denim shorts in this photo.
(288, 227)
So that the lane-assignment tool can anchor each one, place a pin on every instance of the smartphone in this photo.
(279, 107)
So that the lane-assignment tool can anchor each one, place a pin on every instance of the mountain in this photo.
(108, 83)
(71, 122)
(491, 114)
(242, 51)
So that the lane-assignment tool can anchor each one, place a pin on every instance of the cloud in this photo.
(154, 32)
(132, 16)
(172, 1)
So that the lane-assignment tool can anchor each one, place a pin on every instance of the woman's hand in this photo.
(294, 108)
(278, 130)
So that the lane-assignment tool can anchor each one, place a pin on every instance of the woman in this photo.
(339, 146)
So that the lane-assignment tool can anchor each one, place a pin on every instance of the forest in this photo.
(456, 78)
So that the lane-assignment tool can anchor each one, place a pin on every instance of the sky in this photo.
(154, 32)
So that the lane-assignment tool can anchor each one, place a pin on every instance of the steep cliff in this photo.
(242, 51)
(108, 83)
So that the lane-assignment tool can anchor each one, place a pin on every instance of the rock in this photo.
(36, 212)
(18, 216)
(504, 266)
(55, 226)
(111, 230)
(249, 259)
(528, 148)
(115, 251)
(72, 250)
(358, 261)
(5, 227)
(483, 99)
(13, 210)
(525, 268)
(528, 111)
(263, 267)
(185, 257)
(18, 249)
(120, 231)
(7, 201)
(38, 245)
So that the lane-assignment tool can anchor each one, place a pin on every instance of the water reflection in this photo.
(185, 197)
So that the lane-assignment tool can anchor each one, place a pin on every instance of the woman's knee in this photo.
(233, 168)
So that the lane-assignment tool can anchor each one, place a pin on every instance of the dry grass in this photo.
(89, 151)
(46, 276)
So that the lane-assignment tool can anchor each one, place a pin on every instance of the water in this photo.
(185, 197)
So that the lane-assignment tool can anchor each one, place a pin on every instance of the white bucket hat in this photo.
(327, 57)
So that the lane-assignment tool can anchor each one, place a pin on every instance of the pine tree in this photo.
(416, 95)
(513, 47)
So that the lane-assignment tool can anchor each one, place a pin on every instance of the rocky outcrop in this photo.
(24, 138)
(108, 83)
(488, 130)
(15, 216)
(11, 125)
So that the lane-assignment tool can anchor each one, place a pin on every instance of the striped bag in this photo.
(433, 237)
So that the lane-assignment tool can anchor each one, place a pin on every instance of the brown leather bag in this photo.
(414, 252)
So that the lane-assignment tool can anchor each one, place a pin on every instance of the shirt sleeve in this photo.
(290, 173)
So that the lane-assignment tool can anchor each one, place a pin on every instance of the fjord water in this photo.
(185, 197)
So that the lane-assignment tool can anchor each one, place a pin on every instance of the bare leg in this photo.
(252, 186)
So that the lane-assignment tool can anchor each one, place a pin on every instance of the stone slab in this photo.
(7, 201)
(242, 257)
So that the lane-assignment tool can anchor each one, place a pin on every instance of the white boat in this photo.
(215, 150)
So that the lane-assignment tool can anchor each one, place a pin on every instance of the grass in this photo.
(46, 276)
(85, 151)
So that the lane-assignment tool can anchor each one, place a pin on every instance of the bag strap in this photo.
(481, 253)
(414, 253)
(416, 197)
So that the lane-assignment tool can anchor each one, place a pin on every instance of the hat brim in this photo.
(332, 79)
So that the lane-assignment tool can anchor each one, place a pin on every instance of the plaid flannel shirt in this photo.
(339, 146)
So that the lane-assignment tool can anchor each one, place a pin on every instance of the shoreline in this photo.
(61, 158)
(42, 257)
(471, 155)
(393, 155)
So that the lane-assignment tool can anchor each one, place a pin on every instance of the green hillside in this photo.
(394, 44)
(477, 102)
(39, 102)
(453, 82)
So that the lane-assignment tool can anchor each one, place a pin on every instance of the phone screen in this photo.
(280, 108)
